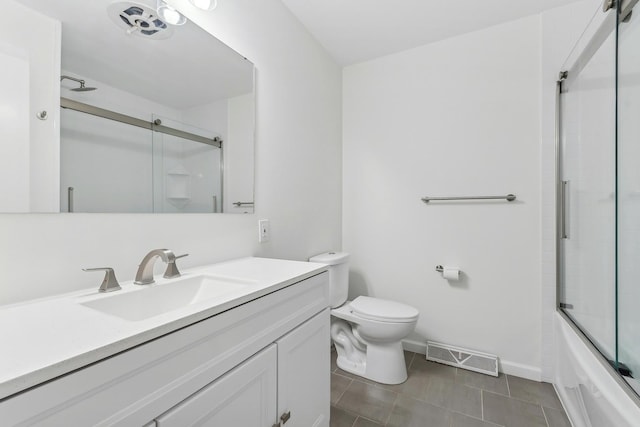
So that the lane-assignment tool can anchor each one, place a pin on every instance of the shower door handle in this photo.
(70, 201)
(564, 204)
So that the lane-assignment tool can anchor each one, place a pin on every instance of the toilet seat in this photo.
(383, 310)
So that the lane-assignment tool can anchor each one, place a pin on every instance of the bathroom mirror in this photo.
(153, 117)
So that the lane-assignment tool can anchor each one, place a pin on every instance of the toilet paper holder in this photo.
(449, 273)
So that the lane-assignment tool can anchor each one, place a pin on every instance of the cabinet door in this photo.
(304, 374)
(245, 396)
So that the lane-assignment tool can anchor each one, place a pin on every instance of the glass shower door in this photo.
(587, 188)
(599, 188)
(629, 199)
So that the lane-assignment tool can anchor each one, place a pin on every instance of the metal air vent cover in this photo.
(139, 19)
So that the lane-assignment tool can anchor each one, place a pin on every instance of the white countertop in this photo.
(45, 338)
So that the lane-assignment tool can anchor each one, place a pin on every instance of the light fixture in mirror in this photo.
(169, 127)
(169, 14)
(205, 4)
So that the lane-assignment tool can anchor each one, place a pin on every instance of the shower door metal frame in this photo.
(133, 121)
(560, 210)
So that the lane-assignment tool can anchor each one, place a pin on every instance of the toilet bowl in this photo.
(367, 332)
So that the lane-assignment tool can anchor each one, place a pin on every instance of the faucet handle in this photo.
(172, 267)
(109, 283)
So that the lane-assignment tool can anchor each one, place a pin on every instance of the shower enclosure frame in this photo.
(623, 9)
(154, 126)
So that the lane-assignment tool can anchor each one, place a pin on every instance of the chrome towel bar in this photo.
(239, 204)
(508, 198)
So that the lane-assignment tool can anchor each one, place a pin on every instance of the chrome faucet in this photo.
(109, 283)
(144, 276)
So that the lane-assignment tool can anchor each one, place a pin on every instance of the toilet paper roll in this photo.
(451, 273)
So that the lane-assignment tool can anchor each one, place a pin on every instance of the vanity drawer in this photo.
(135, 386)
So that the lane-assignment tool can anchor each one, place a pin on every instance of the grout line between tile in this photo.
(482, 403)
(506, 378)
(369, 419)
(531, 402)
(423, 400)
(348, 411)
(392, 408)
(411, 361)
(344, 391)
(476, 418)
(545, 416)
(341, 375)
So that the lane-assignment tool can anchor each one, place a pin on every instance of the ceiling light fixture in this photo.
(169, 14)
(205, 4)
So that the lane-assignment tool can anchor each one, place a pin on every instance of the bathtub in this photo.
(591, 392)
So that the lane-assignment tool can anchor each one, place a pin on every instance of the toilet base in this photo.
(383, 363)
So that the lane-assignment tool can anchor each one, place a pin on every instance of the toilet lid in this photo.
(383, 310)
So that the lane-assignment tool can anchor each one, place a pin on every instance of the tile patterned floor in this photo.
(436, 395)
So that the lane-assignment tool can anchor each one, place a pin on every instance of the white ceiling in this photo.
(358, 30)
(188, 69)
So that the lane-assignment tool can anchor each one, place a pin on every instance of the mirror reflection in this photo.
(153, 117)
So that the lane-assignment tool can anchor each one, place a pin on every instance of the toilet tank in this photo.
(338, 263)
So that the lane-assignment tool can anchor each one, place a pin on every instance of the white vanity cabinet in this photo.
(295, 366)
(303, 361)
(243, 397)
(247, 366)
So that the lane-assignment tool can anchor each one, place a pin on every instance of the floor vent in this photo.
(462, 358)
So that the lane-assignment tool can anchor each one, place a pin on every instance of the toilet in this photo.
(367, 332)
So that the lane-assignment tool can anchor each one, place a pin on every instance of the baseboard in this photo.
(510, 368)
(419, 347)
(519, 370)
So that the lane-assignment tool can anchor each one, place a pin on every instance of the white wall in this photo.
(35, 166)
(298, 175)
(457, 117)
(212, 116)
(238, 172)
(14, 129)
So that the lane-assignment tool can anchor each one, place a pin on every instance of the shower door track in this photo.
(123, 118)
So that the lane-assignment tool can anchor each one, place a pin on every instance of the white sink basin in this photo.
(154, 300)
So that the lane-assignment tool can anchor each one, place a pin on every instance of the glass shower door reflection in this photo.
(187, 174)
(105, 165)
